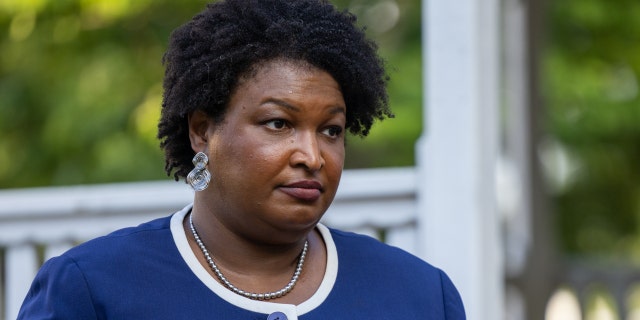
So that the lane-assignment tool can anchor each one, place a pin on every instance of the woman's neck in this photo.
(257, 266)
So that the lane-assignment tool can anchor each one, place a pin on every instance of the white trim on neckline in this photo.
(292, 311)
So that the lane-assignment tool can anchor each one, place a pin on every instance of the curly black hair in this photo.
(208, 55)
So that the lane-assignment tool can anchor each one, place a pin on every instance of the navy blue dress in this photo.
(150, 272)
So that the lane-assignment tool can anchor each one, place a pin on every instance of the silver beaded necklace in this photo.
(250, 295)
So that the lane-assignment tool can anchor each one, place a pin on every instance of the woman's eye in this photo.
(334, 131)
(276, 124)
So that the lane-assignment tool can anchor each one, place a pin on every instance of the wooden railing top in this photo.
(44, 214)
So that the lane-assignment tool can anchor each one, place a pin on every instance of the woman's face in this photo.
(277, 158)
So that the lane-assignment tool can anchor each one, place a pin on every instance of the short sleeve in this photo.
(59, 291)
(453, 307)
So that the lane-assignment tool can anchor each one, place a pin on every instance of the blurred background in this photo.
(81, 85)
(80, 94)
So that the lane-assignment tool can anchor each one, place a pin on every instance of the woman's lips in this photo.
(307, 190)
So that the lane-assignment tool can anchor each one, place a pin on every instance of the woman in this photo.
(258, 97)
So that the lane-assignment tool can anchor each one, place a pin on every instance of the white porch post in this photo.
(458, 219)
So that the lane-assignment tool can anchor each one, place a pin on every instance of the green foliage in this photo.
(590, 78)
(392, 142)
(80, 89)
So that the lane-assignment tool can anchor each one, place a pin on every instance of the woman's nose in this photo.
(306, 152)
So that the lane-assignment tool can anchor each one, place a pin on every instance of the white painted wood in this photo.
(2, 295)
(516, 202)
(79, 228)
(405, 237)
(21, 265)
(93, 199)
(374, 212)
(457, 215)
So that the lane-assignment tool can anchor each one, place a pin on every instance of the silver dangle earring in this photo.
(199, 177)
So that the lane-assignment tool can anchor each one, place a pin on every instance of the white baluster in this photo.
(21, 262)
(404, 237)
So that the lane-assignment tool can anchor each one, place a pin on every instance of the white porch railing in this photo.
(39, 223)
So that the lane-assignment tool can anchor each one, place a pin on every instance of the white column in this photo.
(457, 153)
(21, 262)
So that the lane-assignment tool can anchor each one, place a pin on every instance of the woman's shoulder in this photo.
(366, 247)
(367, 252)
(382, 268)
(123, 242)
(127, 253)
(125, 262)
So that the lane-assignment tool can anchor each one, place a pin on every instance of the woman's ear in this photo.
(199, 130)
